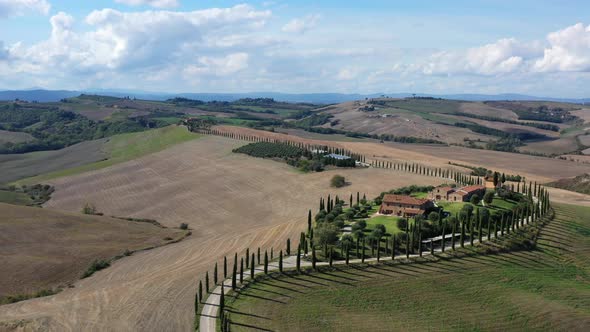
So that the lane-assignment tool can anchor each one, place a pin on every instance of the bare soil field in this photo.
(507, 127)
(44, 249)
(231, 202)
(582, 114)
(18, 166)
(14, 137)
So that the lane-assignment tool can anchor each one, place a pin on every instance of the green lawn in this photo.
(498, 205)
(12, 197)
(420, 195)
(125, 147)
(542, 290)
(390, 223)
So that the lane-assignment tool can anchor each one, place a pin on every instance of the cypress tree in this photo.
(378, 250)
(407, 244)
(331, 255)
(313, 258)
(420, 242)
(200, 291)
(234, 276)
(309, 221)
(357, 247)
(453, 236)
(259, 260)
(247, 257)
(215, 274)
(444, 226)
(386, 246)
(288, 246)
(347, 254)
(350, 200)
(393, 247)
(221, 301)
(299, 259)
(271, 254)
(241, 270)
(265, 262)
(252, 268)
(490, 228)
(224, 267)
(358, 197)
(197, 304)
(431, 246)
(363, 254)
(462, 221)
(281, 261)
(479, 231)
(207, 281)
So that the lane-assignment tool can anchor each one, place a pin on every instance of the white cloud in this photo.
(152, 3)
(301, 25)
(501, 57)
(20, 7)
(229, 64)
(126, 41)
(569, 50)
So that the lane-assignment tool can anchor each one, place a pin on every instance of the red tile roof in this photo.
(446, 189)
(470, 189)
(402, 199)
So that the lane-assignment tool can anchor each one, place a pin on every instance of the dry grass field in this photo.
(44, 249)
(231, 202)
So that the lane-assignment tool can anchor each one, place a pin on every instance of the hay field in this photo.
(45, 249)
(231, 201)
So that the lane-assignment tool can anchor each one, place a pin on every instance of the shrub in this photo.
(184, 226)
(89, 209)
(402, 223)
(338, 181)
(488, 198)
(97, 265)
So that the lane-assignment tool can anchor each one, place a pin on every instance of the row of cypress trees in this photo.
(305, 146)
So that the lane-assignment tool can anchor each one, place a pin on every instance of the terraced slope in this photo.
(544, 289)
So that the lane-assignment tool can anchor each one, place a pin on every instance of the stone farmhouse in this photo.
(401, 205)
(456, 194)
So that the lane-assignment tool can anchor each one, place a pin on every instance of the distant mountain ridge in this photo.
(42, 95)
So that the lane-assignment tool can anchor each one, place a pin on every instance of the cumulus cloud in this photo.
(125, 41)
(301, 25)
(20, 7)
(152, 3)
(229, 64)
(569, 50)
(504, 56)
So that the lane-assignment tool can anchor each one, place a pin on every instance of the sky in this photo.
(537, 47)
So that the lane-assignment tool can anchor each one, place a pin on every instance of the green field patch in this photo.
(125, 147)
(12, 197)
(389, 222)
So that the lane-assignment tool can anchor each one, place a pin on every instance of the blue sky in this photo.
(532, 47)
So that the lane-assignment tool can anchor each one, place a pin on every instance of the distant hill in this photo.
(580, 183)
(318, 98)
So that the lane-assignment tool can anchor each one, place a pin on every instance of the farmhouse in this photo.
(456, 195)
(401, 205)
(441, 193)
(464, 194)
(337, 156)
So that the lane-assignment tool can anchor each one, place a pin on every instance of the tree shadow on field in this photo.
(291, 282)
(340, 276)
(262, 298)
(251, 326)
(315, 275)
(235, 312)
(278, 280)
(270, 292)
